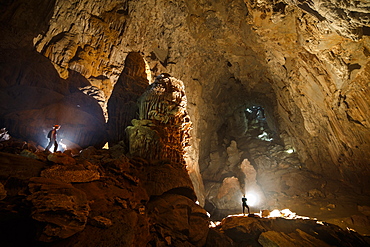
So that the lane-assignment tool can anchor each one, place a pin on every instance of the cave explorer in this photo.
(244, 203)
(52, 135)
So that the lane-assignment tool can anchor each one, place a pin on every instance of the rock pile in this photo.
(102, 195)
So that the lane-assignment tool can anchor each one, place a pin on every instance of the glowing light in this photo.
(287, 214)
(252, 198)
(290, 150)
(214, 224)
(275, 213)
(64, 146)
(265, 137)
(106, 146)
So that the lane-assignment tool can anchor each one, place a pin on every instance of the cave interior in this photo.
(183, 102)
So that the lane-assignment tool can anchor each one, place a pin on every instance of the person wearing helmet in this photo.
(53, 138)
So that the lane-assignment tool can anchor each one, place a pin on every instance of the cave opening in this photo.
(247, 153)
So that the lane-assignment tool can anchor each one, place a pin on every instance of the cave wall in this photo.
(306, 62)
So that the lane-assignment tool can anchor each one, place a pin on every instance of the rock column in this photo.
(162, 130)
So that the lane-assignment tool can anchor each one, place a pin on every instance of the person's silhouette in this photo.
(53, 138)
(244, 203)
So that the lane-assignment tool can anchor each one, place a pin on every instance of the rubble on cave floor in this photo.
(104, 198)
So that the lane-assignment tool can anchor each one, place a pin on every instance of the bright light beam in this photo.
(64, 146)
(252, 198)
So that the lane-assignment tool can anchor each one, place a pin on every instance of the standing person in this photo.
(52, 135)
(244, 202)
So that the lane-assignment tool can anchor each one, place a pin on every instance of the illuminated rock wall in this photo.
(162, 130)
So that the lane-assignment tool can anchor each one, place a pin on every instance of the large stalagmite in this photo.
(162, 130)
(122, 107)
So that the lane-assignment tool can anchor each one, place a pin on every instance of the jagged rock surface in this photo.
(126, 206)
(63, 208)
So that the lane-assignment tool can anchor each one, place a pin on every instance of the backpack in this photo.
(49, 134)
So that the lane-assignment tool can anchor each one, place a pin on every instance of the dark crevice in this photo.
(308, 9)
(353, 120)
(366, 31)
(352, 67)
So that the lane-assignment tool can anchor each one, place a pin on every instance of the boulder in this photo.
(61, 158)
(162, 177)
(61, 208)
(71, 173)
(179, 218)
(19, 167)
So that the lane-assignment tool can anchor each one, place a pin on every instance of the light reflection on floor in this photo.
(285, 213)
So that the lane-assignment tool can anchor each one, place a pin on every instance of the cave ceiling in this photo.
(307, 63)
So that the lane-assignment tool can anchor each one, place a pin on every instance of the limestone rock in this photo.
(122, 105)
(284, 232)
(61, 158)
(63, 208)
(32, 155)
(179, 218)
(272, 238)
(217, 239)
(19, 167)
(71, 173)
(305, 62)
(163, 177)
(100, 221)
(162, 130)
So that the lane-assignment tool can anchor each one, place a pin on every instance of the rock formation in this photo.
(122, 105)
(131, 203)
(250, 231)
(306, 63)
(162, 130)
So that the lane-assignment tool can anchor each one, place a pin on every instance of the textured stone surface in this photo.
(161, 131)
(305, 62)
(283, 232)
(71, 173)
(62, 207)
(61, 158)
(178, 220)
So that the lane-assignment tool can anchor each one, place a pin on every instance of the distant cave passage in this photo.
(257, 124)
